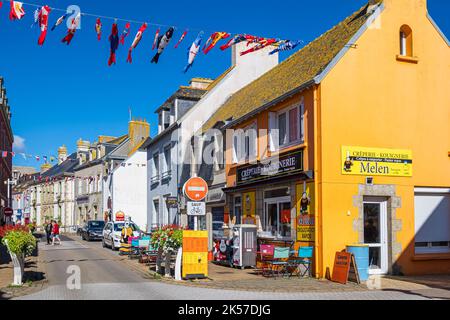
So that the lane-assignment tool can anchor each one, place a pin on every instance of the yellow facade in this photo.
(372, 98)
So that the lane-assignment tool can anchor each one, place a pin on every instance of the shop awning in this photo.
(305, 175)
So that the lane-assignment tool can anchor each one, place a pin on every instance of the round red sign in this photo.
(196, 189)
(8, 212)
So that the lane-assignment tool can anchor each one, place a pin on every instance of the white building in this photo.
(129, 188)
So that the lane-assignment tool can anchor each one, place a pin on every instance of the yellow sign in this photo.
(249, 204)
(305, 212)
(376, 162)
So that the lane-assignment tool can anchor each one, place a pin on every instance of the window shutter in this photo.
(302, 122)
(235, 148)
(253, 142)
(243, 153)
(273, 132)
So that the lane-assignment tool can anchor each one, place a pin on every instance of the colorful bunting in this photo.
(182, 38)
(59, 21)
(285, 46)
(213, 40)
(163, 42)
(125, 33)
(16, 12)
(4, 154)
(260, 45)
(235, 40)
(136, 41)
(43, 23)
(155, 41)
(71, 31)
(114, 41)
(98, 29)
(193, 51)
(36, 18)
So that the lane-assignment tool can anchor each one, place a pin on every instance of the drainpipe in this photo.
(318, 184)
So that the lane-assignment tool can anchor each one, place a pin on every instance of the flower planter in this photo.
(19, 266)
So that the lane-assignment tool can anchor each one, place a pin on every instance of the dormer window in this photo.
(406, 41)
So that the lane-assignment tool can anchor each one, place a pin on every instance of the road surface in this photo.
(105, 277)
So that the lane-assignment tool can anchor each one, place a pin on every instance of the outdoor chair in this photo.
(265, 257)
(278, 266)
(303, 260)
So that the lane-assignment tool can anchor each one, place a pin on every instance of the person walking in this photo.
(48, 231)
(55, 233)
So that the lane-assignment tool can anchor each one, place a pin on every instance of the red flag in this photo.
(43, 23)
(114, 41)
(125, 33)
(181, 39)
(155, 41)
(71, 31)
(16, 12)
(98, 29)
(136, 41)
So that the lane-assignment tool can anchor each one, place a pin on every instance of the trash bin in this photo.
(361, 253)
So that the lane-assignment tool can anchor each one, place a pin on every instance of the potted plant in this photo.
(20, 244)
(166, 240)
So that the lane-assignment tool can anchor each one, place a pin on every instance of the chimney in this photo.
(45, 167)
(200, 83)
(138, 132)
(260, 57)
(62, 154)
(83, 150)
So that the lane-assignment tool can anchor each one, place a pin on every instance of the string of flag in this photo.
(161, 39)
(46, 159)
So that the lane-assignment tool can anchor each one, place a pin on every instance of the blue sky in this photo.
(60, 93)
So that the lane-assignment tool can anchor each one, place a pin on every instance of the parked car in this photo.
(112, 234)
(92, 230)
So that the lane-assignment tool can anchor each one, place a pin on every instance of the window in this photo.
(155, 176)
(406, 43)
(156, 212)
(237, 209)
(432, 220)
(286, 127)
(245, 142)
(168, 159)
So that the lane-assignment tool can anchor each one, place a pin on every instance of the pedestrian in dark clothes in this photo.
(48, 231)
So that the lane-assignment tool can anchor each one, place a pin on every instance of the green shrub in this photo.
(20, 242)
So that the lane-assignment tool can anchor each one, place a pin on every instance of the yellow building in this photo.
(362, 116)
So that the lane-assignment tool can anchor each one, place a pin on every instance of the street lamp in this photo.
(10, 183)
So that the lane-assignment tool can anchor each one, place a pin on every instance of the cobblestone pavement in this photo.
(163, 291)
(105, 275)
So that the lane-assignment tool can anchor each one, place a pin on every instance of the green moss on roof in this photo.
(297, 70)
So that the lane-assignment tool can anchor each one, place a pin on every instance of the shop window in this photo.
(286, 127)
(237, 209)
(406, 41)
(432, 220)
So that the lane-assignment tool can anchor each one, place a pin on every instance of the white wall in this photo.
(246, 69)
(129, 185)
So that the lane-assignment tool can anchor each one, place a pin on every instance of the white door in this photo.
(375, 235)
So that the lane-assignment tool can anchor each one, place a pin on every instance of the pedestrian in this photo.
(55, 233)
(48, 231)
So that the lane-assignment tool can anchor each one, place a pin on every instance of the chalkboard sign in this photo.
(353, 274)
(344, 268)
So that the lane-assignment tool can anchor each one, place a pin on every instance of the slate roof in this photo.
(66, 166)
(296, 71)
(185, 93)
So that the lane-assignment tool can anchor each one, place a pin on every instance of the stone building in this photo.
(6, 144)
